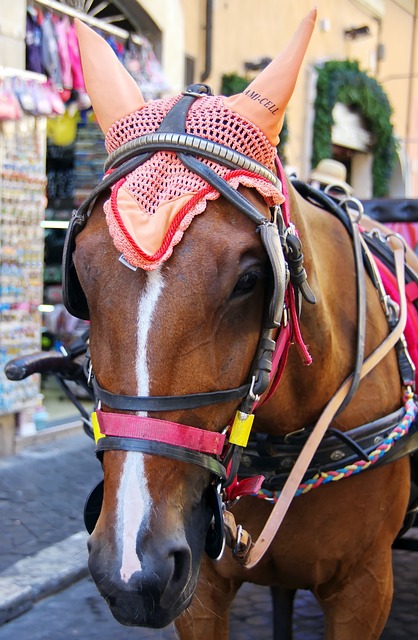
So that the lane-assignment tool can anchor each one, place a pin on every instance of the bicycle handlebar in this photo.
(48, 362)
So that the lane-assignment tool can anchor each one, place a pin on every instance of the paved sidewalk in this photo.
(43, 546)
(42, 494)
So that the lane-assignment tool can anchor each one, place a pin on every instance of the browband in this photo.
(186, 143)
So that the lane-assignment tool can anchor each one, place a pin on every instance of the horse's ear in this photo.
(264, 101)
(112, 90)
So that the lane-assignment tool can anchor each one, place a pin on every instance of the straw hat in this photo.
(332, 173)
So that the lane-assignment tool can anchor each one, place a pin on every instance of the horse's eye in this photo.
(246, 283)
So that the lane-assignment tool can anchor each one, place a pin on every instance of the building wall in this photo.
(396, 73)
(12, 34)
(170, 18)
(247, 31)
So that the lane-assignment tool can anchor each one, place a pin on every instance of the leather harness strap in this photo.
(253, 552)
(361, 315)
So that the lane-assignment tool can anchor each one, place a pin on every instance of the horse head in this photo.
(189, 327)
(177, 259)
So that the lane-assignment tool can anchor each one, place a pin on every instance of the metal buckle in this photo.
(90, 373)
(237, 548)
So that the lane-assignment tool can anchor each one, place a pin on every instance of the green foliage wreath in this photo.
(343, 81)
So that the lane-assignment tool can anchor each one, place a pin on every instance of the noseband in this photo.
(286, 261)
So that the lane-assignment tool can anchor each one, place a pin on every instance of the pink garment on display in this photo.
(61, 29)
(75, 59)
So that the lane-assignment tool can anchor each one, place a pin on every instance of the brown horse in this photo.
(190, 328)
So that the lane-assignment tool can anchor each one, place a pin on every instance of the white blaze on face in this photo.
(133, 504)
(134, 501)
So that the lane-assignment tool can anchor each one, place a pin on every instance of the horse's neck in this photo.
(329, 329)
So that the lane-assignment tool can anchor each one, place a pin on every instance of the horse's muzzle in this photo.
(164, 580)
(155, 595)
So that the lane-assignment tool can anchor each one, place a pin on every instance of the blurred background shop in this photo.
(52, 155)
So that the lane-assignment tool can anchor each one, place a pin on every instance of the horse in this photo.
(258, 307)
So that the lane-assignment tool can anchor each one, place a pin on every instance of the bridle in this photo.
(286, 261)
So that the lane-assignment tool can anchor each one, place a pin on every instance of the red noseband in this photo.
(126, 425)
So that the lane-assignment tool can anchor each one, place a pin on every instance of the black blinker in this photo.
(215, 538)
(93, 507)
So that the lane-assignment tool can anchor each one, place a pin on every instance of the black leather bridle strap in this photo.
(361, 315)
(222, 187)
(167, 403)
(268, 230)
(111, 443)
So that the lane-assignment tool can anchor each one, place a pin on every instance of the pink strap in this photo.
(302, 348)
(125, 425)
(244, 487)
(282, 176)
(412, 291)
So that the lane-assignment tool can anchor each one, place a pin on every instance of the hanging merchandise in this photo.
(9, 105)
(60, 175)
(24, 95)
(61, 31)
(62, 131)
(89, 158)
(33, 41)
(49, 48)
(83, 100)
(21, 89)
(52, 46)
(58, 107)
(22, 208)
(42, 100)
(145, 68)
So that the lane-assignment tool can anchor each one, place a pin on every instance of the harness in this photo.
(288, 285)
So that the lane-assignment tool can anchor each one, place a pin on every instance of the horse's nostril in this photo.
(111, 601)
(179, 579)
(181, 565)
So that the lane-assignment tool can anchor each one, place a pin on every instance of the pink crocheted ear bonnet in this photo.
(150, 209)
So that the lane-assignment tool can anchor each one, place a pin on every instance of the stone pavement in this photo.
(43, 551)
(42, 494)
(42, 537)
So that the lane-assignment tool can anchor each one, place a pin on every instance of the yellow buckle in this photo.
(241, 428)
(96, 428)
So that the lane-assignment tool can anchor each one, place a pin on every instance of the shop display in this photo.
(52, 49)
(89, 158)
(22, 207)
(51, 155)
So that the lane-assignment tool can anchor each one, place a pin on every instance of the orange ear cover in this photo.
(112, 90)
(264, 102)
